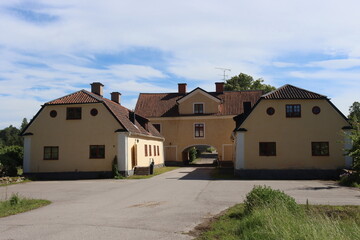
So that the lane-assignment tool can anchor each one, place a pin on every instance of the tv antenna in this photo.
(224, 72)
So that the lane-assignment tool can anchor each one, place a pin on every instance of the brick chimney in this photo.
(115, 97)
(97, 88)
(182, 88)
(219, 87)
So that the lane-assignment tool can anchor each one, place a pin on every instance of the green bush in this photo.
(265, 197)
(11, 157)
(192, 154)
(351, 179)
(16, 153)
(7, 166)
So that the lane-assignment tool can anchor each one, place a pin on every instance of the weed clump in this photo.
(265, 197)
(14, 199)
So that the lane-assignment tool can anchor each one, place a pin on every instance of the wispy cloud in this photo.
(50, 48)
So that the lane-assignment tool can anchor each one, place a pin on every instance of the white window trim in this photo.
(198, 103)
(204, 130)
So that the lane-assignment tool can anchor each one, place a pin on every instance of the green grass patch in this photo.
(271, 215)
(317, 222)
(157, 171)
(18, 204)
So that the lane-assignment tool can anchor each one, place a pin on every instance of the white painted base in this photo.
(240, 150)
(27, 154)
(122, 152)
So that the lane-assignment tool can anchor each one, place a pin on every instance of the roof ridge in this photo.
(289, 91)
(307, 90)
(93, 95)
(68, 95)
(266, 94)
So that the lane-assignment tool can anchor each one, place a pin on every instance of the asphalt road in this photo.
(163, 207)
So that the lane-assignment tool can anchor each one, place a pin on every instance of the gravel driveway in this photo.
(163, 207)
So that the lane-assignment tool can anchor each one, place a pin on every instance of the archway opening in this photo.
(200, 155)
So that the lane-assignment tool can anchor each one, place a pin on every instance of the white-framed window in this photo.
(199, 130)
(199, 108)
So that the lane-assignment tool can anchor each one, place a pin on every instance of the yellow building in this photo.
(291, 133)
(80, 136)
(196, 118)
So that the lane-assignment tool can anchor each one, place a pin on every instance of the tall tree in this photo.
(247, 82)
(354, 111)
(23, 124)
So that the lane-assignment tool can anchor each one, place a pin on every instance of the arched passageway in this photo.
(200, 155)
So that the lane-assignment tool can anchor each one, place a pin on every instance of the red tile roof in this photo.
(81, 96)
(165, 105)
(291, 92)
(121, 113)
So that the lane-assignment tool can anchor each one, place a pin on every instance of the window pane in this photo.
(101, 151)
(293, 110)
(320, 148)
(199, 130)
(198, 108)
(267, 148)
(55, 153)
(73, 113)
(97, 151)
(47, 153)
(51, 153)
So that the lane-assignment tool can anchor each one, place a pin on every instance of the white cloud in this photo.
(52, 58)
(127, 71)
(336, 63)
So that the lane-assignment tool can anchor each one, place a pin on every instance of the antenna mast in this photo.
(224, 72)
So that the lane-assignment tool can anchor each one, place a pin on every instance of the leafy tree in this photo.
(11, 136)
(10, 158)
(353, 178)
(247, 82)
(354, 110)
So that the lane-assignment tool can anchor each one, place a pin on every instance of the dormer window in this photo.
(73, 113)
(293, 110)
(198, 108)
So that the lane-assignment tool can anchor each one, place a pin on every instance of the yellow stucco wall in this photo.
(293, 136)
(73, 137)
(179, 134)
(210, 104)
(138, 145)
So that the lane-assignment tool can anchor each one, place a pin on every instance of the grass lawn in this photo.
(157, 171)
(314, 222)
(17, 205)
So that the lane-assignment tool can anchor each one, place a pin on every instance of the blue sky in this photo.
(52, 48)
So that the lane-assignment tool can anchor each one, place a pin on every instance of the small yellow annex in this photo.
(82, 134)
